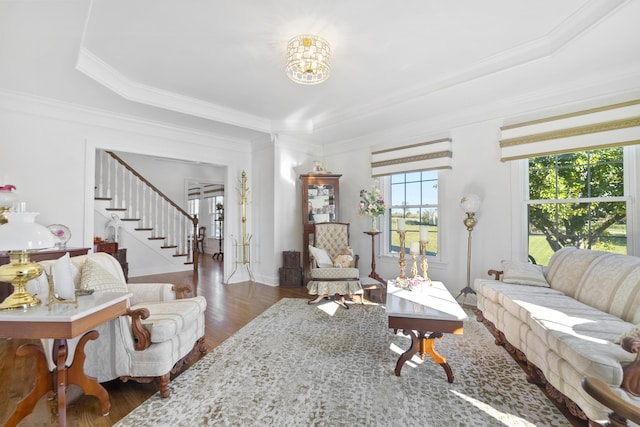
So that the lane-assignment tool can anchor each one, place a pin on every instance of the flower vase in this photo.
(374, 224)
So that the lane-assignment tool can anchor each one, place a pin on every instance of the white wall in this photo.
(476, 169)
(48, 153)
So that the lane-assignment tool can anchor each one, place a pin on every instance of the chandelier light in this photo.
(308, 59)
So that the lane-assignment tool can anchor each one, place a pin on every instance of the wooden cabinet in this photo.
(320, 202)
(120, 254)
(290, 272)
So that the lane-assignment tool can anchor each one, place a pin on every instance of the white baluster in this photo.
(109, 162)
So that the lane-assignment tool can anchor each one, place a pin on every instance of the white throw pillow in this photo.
(321, 256)
(94, 276)
(62, 273)
(523, 273)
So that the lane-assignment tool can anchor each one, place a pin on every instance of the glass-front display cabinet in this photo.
(320, 200)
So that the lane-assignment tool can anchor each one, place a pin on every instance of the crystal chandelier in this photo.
(308, 59)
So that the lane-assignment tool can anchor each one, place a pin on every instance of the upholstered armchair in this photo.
(160, 333)
(334, 268)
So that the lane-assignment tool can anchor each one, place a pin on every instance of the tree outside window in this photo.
(577, 199)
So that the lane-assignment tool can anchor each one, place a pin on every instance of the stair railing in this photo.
(141, 201)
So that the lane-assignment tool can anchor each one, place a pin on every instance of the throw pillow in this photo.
(343, 261)
(96, 277)
(523, 273)
(633, 333)
(321, 256)
(62, 273)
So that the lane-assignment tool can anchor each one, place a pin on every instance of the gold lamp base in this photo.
(18, 272)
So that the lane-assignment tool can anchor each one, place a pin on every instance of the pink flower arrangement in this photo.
(371, 203)
(7, 187)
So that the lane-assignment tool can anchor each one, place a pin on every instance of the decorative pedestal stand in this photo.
(373, 273)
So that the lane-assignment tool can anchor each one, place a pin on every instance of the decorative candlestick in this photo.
(414, 266)
(401, 261)
(425, 264)
(414, 250)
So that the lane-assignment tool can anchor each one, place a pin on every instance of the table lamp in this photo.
(19, 237)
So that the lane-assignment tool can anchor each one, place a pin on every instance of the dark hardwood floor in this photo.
(229, 308)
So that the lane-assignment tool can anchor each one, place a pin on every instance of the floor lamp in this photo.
(469, 204)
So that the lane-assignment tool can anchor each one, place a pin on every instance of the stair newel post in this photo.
(194, 243)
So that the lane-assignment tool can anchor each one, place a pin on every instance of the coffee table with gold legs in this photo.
(425, 315)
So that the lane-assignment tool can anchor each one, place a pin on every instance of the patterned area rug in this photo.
(322, 365)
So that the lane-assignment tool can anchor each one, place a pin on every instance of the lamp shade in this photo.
(470, 203)
(21, 232)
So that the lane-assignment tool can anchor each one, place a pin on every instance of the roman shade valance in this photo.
(609, 126)
(411, 158)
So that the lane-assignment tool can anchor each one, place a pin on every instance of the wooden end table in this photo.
(425, 316)
(60, 324)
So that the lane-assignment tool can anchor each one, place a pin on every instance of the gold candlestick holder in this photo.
(414, 265)
(424, 264)
(401, 261)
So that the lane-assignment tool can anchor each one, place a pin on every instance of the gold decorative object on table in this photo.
(246, 238)
(424, 265)
(19, 237)
(424, 239)
(401, 261)
(413, 250)
(54, 298)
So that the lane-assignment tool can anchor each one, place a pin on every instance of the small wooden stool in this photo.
(369, 284)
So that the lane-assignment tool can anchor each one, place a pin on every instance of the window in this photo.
(193, 207)
(414, 197)
(216, 216)
(577, 199)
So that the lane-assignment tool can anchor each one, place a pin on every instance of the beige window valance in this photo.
(609, 126)
(428, 155)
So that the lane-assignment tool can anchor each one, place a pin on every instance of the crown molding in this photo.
(548, 44)
(585, 18)
(100, 71)
(39, 106)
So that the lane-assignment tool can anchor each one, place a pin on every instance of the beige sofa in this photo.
(566, 321)
(171, 335)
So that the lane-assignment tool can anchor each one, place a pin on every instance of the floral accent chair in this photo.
(331, 239)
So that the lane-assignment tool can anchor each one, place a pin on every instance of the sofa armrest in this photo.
(631, 372)
(151, 292)
(141, 336)
(601, 392)
(495, 273)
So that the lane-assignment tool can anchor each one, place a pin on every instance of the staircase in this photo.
(129, 202)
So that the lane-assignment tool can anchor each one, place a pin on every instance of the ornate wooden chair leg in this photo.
(163, 383)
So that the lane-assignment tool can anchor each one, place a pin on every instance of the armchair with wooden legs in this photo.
(329, 278)
(161, 332)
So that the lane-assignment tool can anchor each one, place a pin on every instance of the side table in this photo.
(61, 323)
